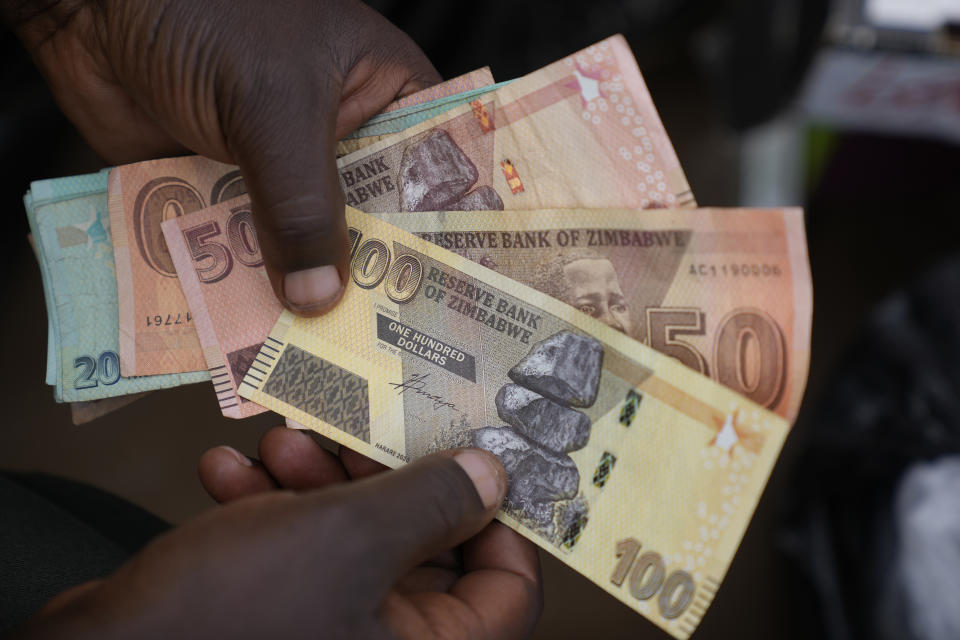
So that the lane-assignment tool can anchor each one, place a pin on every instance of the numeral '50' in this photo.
(214, 260)
(749, 352)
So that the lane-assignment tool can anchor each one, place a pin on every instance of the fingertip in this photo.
(227, 474)
(312, 292)
(487, 474)
(358, 465)
(297, 461)
(220, 459)
(241, 459)
(69, 597)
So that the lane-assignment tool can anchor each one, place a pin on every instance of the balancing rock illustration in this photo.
(435, 175)
(483, 198)
(536, 473)
(558, 373)
(553, 425)
(565, 368)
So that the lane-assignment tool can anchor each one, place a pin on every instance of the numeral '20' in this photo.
(104, 370)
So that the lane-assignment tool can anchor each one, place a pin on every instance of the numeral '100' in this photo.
(648, 578)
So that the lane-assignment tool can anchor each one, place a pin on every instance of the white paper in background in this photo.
(921, 583)
(914, 95)
(925, 15)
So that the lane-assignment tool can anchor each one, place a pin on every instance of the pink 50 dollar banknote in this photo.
(724, 291)
(217, 258)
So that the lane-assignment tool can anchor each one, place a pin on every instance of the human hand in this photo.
(291, 459)
(367, 558)
(270, 86)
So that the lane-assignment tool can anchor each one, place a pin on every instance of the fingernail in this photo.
(242, 459)
(293, 424)
(312, 289)
(485, 476)
(302, 436)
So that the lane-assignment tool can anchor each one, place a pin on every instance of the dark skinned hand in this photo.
(269, 86)
(368, 555)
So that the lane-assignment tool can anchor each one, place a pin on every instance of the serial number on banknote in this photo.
(169, 319)
(761, 270)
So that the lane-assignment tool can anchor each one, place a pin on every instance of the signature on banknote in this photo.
(417, 384)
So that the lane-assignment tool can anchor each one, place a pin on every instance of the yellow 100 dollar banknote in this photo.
(724, 291)
(630, 467)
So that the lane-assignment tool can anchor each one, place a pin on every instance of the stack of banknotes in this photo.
(530, 275)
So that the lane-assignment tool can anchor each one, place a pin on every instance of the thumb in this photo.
(286, 155)
(412, 514)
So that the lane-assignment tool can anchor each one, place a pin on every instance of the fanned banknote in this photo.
(581, 132)
(156, 329)
(50, 374)
(475, 79)
(43, 192)
(217, 258)
(386, 124)
(84, 411)
(725, 291)
(415, 108)
(74, 248)
(631, 468)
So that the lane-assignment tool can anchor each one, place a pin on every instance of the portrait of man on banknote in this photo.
(588, 281)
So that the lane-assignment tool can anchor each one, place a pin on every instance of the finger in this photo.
(427, 579)
(282, 136)
(227, 474)
(395, 67)
(419, 84)
(437, 573)
(297, 462)
(502, 584)
(405, 516)
(68, 597)
(499, 597)
(359, 466)
(500, 548)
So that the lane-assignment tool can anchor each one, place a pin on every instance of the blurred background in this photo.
(850, 109)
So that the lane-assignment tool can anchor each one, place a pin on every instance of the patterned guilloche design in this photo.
(323, 390)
